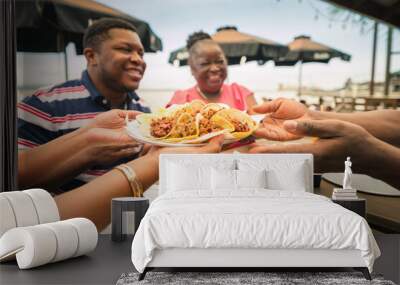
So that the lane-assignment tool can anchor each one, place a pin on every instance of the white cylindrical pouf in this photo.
(67, 239)
(34, 246)
(87, 235)
(23, 208)
(7, 217)
(45, 205)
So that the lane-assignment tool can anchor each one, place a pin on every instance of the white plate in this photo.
(133, 129)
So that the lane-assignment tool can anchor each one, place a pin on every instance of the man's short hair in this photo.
(97, 32)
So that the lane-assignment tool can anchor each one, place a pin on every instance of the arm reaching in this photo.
(102, 141)
(383, 124)
(337, 140)
(93, 199)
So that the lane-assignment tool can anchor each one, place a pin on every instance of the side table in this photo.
(122, 211)
(358, 205)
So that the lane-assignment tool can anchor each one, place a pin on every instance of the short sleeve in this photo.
(238, 95)
(139, 104)
(243, 91)
(35, 124)
(179, 97)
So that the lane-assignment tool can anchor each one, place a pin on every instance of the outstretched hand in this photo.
(107, 139)
(109, 145)
(113, 119)
(213, 146)
(277, 112)
(337, 140)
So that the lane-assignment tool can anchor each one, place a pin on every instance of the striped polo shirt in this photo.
(57, 110)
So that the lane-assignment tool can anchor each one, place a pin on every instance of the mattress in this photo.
(251, 219)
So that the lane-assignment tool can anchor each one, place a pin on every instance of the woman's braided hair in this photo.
(195, 37)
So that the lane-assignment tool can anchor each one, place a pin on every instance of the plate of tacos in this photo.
(191, 124)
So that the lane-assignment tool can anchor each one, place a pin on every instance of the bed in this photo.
(246, 211)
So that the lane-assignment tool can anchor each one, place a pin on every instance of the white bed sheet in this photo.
(252, 218)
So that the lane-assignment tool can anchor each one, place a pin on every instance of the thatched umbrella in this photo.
(238, 47)
(302, 49)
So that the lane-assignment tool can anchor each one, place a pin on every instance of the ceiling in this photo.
(384, 10)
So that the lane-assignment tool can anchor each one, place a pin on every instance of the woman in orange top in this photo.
(208, 65)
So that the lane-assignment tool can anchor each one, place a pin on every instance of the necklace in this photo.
(212, 97)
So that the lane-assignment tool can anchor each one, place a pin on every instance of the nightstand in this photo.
(358, 206)
(126, 214)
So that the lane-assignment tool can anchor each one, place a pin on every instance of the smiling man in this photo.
(115, 66)
(114, 54)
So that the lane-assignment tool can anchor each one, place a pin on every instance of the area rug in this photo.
(243, 278)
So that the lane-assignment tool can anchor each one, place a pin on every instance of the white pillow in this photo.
(223, 179)
(251, 178)
(191, 172)
(184, 177)
(291, 179)
(281, 174)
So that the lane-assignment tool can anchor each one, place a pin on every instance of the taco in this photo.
(184, 128)
(210, 109)
(195, 122)
(240, 124)
(177, 123)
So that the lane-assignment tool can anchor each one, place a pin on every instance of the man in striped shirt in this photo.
(54, 117)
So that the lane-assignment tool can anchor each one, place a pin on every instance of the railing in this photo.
(349, 101)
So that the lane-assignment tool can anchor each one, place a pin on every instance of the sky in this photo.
(277, 20)
(281, 21)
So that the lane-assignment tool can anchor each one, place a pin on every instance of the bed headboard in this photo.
(282, 162)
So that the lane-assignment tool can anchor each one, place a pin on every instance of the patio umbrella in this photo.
(302, 49)
(238, 47)
(49, 25)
